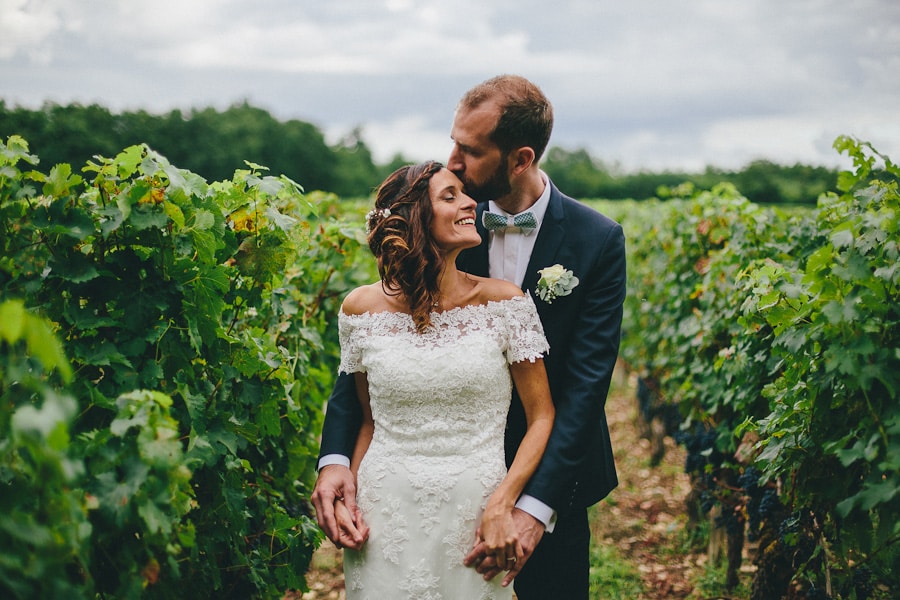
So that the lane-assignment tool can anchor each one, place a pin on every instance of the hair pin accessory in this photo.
(384, 213)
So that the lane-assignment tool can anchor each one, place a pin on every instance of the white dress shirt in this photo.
(510, 251)
(508, 255)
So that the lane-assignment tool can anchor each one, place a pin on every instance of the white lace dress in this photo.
(439, 401)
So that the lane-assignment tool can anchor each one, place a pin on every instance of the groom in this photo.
(501, 129)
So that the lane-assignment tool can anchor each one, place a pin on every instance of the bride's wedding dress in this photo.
(439, 401)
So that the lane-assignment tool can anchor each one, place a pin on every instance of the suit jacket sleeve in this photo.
(343, 417)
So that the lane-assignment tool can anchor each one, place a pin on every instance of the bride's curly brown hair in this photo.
(409, 260)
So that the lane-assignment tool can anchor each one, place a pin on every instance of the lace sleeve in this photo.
(351, 352)
(526, 334)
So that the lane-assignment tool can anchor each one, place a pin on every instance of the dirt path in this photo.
(643, 518)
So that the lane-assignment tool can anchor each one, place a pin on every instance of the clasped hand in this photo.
(497, 550)
(336, 510)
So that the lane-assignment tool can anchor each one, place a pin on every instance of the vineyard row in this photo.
(767, 342)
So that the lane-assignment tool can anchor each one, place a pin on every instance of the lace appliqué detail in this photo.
(432, 491)
(420, 582)
(462, 535)
(395, 534)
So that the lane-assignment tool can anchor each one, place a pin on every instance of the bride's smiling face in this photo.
(453, 213)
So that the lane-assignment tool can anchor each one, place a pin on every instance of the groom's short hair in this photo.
(526, 116)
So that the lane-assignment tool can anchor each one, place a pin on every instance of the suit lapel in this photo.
(550, 237)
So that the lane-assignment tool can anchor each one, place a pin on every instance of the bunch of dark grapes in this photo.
(753, 522)
(769, 504)
(789, 528)
(796, 532)
(761, 506)
(749, 482)
(700, 445)
(816, 593)
(705, 484)
(731, 521)
(862, 582)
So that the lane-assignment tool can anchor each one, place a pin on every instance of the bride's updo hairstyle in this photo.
(409, 261)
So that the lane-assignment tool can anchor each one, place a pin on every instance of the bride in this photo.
(435, 353)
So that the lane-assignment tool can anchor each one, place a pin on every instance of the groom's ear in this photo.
(521, 159)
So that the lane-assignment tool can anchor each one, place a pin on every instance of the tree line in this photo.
(214, 143)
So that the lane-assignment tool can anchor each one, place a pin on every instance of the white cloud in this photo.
(25, 27)
(412, 136)
(645, 83)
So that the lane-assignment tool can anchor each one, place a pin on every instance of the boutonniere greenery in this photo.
(555, 281)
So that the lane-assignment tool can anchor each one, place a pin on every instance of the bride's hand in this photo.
(352, 532)
(499, 536)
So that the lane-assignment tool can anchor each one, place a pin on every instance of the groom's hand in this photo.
(530, 531)
(336, 482)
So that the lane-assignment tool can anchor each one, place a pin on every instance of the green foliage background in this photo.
(165, 445)
(779, 332)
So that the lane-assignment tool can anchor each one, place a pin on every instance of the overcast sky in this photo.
(653, 84)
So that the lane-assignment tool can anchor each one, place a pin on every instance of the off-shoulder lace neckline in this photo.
(444, 313)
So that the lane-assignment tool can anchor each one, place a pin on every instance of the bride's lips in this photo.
(466, 221)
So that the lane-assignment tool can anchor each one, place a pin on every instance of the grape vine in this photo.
(196, 349)
(776, 333)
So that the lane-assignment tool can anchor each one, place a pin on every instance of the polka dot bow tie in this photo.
(526, 222)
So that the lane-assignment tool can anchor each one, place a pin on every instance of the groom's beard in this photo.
(496, 186)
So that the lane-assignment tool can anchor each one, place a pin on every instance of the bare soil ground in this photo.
(644, 517)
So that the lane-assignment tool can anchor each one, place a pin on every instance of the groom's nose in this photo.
(455, 162)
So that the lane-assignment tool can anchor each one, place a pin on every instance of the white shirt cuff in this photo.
(538, 510)
(333, 459)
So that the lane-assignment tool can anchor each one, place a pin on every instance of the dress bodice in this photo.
(430, 391)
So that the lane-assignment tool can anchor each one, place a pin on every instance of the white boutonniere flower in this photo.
(555, 281)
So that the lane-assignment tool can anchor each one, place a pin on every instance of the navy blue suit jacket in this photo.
(583, 331)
